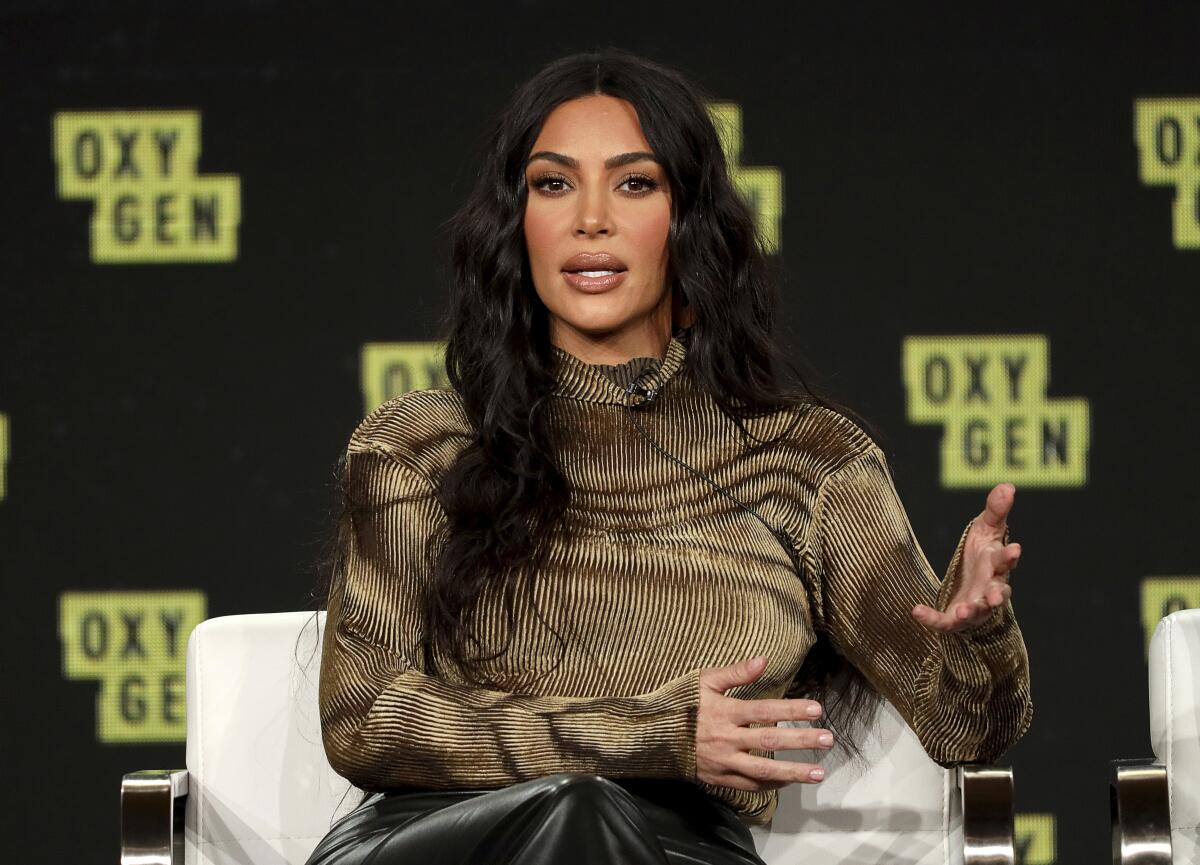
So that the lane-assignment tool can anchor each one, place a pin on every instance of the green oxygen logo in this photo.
(1167, 134)
(760, 185)
(389, 369)
(989, 394)
(150, 202)
(135, 645)
(1162, 596)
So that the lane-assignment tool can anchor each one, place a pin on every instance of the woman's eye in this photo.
(555, 184)
(640, 183)
(551, 183)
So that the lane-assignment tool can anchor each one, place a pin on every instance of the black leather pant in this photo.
(567, 819)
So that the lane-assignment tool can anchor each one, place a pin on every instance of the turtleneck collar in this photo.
(583, 381)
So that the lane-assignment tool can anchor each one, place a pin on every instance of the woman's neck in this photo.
(614, 347)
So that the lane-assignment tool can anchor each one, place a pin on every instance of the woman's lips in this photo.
(594, 284)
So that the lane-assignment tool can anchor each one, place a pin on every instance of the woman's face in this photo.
(595, 189)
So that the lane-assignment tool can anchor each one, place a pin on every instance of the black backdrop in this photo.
(172, 425)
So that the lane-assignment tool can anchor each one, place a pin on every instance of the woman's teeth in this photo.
(595, 272)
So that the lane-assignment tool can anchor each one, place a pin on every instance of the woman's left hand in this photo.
(985, 564)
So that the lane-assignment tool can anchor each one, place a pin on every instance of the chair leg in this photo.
(987, 814)
(152, 804)
(1140, 812)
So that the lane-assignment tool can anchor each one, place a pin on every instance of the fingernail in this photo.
(817, 774)
(814, 711)
(825, 739)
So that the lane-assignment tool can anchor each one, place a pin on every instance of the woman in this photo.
(578, 589)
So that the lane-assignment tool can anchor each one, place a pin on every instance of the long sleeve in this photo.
(386, 723)
(965, 694)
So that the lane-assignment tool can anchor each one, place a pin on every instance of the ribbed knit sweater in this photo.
(652, 577)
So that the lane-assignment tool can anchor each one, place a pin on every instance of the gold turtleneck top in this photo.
(653, 577)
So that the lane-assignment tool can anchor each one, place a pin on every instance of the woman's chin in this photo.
(599, 316)
(596, 316)
(599, 326)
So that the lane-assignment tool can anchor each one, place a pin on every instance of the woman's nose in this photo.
(593, 216)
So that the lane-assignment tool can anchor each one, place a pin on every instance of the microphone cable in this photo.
(636, 388)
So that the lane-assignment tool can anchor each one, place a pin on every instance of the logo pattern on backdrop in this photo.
(760, 185)
(1035, 840)
(1167, 134)
(1162, 596)
(135, 645)
(389, 369)
(989, 392)
(151, 204)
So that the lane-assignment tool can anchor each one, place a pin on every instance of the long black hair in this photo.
(505, 490)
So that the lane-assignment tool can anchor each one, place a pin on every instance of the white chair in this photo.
(258, 789)
(1155, 803)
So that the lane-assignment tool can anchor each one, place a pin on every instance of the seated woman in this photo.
(578, 588)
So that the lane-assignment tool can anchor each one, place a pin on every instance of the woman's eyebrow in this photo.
(612, 161)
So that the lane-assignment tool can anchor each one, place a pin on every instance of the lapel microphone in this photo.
(636, 388)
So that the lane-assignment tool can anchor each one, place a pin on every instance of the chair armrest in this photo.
(152, 803)
(1140, 812)
(987, 814)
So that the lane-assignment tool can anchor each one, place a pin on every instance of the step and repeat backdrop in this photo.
(221, 248)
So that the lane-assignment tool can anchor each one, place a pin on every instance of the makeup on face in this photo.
(596, 221)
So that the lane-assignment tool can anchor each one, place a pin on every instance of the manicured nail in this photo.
(817, 774)
(814, 711)
(825, 739)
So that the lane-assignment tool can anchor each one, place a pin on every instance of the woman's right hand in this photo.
(723, 737)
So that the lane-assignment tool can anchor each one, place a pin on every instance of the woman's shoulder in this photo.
(823, 438)
(424, 429)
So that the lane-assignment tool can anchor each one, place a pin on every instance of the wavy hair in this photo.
(505, 489)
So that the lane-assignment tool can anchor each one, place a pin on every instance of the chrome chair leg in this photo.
(152, 803)
(1140, 813)
(987, 814)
